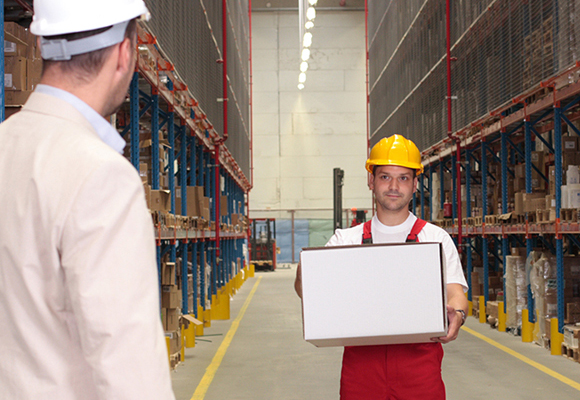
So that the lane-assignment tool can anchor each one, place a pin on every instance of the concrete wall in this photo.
(301, 135)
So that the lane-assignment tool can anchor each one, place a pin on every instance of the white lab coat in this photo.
(79, 300)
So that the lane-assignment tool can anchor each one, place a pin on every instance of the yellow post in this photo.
(189, 335)
(182, 350)
(252, 271)
(482, 315)
(168, 343)
(200, 316)
(556, 338)
(527, 327)
(223, 311)
(207, 318)
(501, 317)
(470, 309)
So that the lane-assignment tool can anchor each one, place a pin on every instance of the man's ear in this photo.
(372, 181)
(126, 54)
(415, 184)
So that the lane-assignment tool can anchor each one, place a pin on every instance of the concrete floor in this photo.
(269, 360)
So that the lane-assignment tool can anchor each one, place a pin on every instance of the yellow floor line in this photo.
(525, 359)
(210, 372)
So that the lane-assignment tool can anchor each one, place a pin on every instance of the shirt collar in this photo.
(104, 129)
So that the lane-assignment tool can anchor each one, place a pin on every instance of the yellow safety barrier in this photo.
(222, 311)
(200, 316)
(207, 318)
(182, 350)
(556, 338)
(482, 315)
(168, 344)
(189, 335)
(501, 317)
(470, 308)
(527, 327)
(252, 271)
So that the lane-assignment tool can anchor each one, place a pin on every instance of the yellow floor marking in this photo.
(525, 359)
(221, 352)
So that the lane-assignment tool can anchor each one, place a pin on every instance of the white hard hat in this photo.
(61, 17)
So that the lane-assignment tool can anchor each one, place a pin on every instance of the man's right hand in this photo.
(298, 281)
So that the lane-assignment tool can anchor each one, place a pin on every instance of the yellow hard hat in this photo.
(395, 150)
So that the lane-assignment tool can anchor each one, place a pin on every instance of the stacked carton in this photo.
(22, 65)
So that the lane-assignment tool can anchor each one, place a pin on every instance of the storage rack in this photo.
(159, 100)
(505, 135)
(512, 81)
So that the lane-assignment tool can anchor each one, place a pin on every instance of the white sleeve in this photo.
(454, 271)
(109, 258)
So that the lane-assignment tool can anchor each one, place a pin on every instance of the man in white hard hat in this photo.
(79, 296)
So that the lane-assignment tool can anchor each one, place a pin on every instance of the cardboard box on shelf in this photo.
(550, 201)
(572, 313)
(571, 335)
(33, 73)
(15, 73)
(170, 297)
(175, 342)
(171, 318)
(532, 200)
(552, 179)
(570, 143)
(223, 205)
(168, 273)
(520, 171)
(332, 288)
(14, 46)
(160, 200)
(16, 98)
(519, 203)
(143, 168)
(147, 190)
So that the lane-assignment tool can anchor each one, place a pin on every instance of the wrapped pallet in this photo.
(516, 290)
(542, 280)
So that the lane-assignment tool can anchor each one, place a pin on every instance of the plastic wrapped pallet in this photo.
(516, 291)
(542, 280)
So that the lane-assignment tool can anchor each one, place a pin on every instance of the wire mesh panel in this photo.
(191, 32)
(502, 48)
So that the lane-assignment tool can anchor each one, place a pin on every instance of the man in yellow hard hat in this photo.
(401, 371)
(79, 293)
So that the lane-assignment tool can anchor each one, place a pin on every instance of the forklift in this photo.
(263, 244)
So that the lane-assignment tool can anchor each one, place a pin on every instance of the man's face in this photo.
(393, 187)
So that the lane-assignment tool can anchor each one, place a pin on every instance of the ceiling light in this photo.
(310, 13)
(303, 66)
(300, 86)
(313, 2)
(302, 77)
(307, 39)
(309, 25)
(305, 54)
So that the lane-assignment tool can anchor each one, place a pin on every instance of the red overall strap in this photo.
(419, 224)
(367, 237)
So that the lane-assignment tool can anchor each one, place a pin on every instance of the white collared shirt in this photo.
(104, 129)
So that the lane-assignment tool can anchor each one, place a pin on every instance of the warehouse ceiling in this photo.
(347, 5)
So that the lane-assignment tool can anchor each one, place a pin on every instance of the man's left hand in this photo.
(455, 322)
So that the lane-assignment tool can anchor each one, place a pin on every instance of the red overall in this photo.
(392, 372)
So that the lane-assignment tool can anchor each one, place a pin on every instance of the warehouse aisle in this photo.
(268, 360)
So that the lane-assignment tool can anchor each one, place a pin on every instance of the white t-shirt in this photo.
(398, 234)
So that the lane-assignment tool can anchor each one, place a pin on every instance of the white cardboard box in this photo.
(373, 294)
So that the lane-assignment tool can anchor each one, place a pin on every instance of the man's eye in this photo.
(403, 178)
